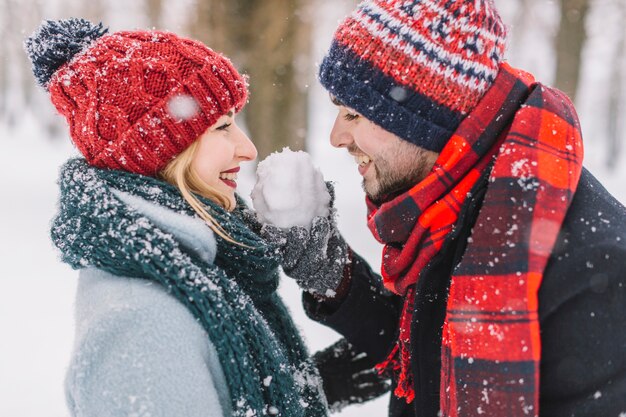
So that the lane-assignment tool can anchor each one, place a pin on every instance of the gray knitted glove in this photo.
(316, 259)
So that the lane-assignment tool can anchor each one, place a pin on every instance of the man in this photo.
(502, 290)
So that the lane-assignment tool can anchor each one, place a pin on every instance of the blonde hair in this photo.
(179, 173)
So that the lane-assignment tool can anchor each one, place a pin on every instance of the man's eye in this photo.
(349, 117)
(224, 126)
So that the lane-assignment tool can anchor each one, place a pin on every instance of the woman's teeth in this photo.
(362, 159)
(231, 176)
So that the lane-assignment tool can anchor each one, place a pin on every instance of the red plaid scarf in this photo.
(490, 343)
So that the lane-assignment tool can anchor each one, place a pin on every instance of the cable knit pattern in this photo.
(136, 99)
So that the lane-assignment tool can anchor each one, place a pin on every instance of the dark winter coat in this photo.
(582, 310)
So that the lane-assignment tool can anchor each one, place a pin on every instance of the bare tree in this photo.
(616, 98)
(521, 22)
(570, 40)
(10, 88)
(4, 18)
(154, 9)
(92, 10)
(17, 86)
(270, 41)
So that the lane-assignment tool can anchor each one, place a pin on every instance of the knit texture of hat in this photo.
(133, 100)
(416, 68)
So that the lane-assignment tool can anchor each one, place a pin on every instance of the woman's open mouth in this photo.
(230, 177)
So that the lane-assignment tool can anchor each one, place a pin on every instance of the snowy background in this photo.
(37, 291)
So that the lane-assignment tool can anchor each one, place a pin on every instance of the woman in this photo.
(177, 312)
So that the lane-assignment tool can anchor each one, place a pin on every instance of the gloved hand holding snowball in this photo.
(295, 206)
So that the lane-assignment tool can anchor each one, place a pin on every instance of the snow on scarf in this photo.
(234, 299)
(490, 341)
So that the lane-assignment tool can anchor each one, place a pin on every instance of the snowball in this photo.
(289, 191)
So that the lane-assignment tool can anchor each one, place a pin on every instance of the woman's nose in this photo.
(246, 149)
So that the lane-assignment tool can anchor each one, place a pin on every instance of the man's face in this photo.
(389, 165)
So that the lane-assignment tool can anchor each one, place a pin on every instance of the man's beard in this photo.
(391, 182)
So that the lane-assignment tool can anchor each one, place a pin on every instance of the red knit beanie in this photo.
(134, 100)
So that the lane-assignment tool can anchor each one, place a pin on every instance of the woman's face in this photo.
(220, 151)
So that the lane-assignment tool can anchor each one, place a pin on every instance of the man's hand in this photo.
(348, 376)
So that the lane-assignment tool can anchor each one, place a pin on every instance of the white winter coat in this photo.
(138, 351)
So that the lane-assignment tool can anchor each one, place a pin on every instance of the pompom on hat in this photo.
(415, 67)
(133, 100)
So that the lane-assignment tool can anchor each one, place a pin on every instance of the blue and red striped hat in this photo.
(415, 67)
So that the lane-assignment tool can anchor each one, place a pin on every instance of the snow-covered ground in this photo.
(36, 290)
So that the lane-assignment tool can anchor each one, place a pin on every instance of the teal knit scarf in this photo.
(264, 360)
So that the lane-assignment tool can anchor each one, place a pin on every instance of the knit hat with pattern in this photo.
(135, 99)
(415, 67)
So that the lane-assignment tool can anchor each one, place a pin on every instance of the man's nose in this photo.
(340, 135)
